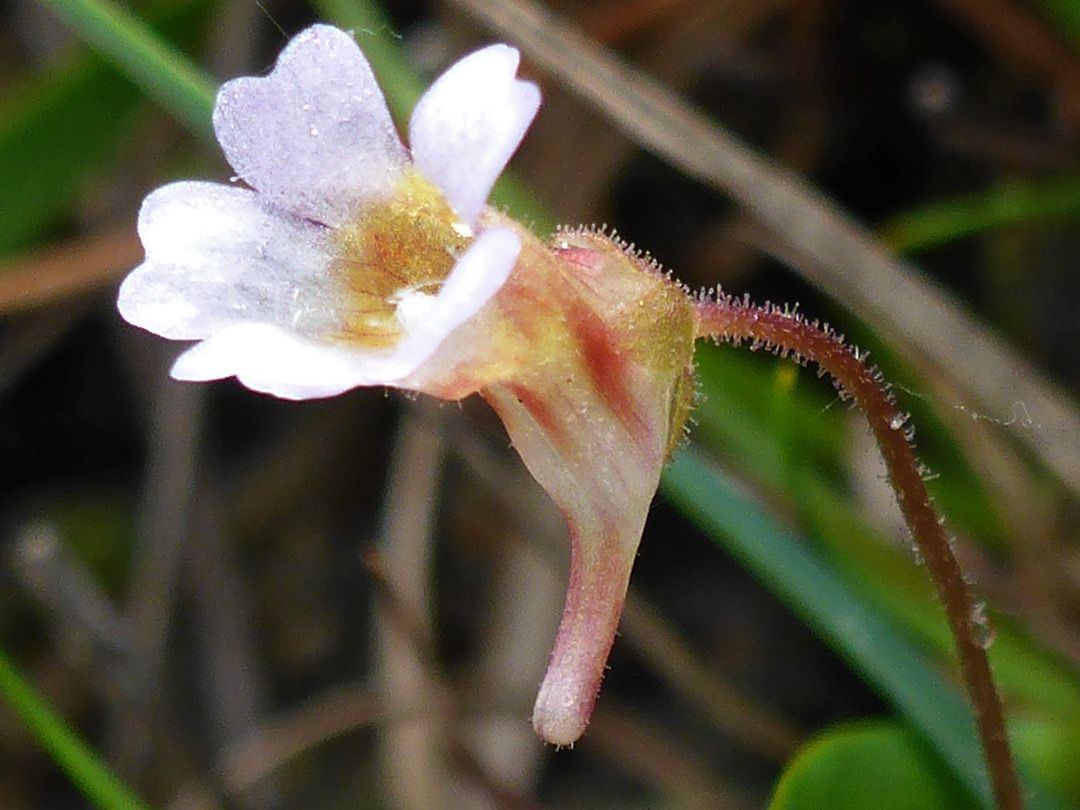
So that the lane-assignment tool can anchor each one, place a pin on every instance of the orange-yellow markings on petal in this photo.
(407, 243)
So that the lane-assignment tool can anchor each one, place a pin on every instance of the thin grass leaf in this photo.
(79, 761)
(60, 127)
(41, 165)
(161, 71)
(1067, 15)
(947, 220)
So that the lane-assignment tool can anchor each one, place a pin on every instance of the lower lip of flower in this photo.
(395, 256)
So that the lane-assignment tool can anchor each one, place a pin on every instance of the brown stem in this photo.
(789, 334)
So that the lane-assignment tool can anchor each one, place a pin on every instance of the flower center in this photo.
(394, 259)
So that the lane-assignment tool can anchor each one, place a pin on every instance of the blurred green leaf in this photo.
(947, 220)
(150, 62)
(759, 410)
(786, 457)
(58, 128)
(886, 578)
(1051, 745)
(879, 765)
(42, 164)
(1067, 15)
(825, 601)
(79, 761)
(96, 525)
(793, 439)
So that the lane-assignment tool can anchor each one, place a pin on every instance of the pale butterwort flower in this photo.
(351, 261)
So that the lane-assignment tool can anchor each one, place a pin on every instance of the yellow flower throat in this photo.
(403, 246)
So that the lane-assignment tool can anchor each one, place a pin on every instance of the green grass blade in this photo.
(944, 221)
(42, 167)
(824, 601)
(162, 72)
(78, 759)
(64, 125)
(1067, 15)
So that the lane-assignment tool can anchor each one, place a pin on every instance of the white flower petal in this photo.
(268, 358)
(218, 255)
(315, 135)
(468, 124)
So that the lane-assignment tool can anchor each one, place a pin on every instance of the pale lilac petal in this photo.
(271, 359)
(468, 124)
(218, 255)
(315, 135)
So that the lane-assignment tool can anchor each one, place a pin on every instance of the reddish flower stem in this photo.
(786, 333)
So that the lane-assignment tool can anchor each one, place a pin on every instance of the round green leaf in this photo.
(879, 765)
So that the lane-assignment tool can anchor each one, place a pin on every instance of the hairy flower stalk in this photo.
(734, 320)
